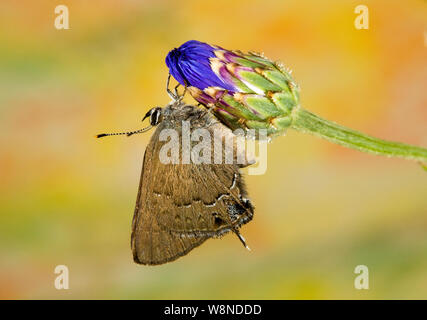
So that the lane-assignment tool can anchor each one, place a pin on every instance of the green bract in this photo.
(264, 96)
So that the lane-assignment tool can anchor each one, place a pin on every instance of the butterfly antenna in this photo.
(129, 133)
(242, 239)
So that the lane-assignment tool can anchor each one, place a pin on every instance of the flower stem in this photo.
(307, 122)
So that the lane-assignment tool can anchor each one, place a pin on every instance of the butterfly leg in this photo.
(172, 95)
(177, 95)
(241, 238)
(175, 90)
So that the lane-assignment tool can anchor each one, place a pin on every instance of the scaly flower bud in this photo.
(244, 90)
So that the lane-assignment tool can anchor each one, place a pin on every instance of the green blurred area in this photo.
(320, 210)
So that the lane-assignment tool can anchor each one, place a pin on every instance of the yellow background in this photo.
(321, 210)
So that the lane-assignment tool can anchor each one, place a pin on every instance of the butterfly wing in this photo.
(179, 206)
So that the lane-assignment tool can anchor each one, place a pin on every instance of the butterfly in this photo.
(179, 206)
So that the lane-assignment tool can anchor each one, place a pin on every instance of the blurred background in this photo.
(321, 210)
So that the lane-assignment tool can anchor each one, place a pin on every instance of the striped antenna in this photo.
(129, 133)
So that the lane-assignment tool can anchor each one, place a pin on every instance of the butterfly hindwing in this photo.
(179, 206)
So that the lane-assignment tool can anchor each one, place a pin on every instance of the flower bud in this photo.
(243, 90)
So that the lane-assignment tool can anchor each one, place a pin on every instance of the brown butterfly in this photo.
(179, 206)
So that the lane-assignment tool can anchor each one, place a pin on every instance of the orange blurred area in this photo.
(320, 210)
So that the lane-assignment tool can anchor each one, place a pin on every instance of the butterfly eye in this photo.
(154, 115)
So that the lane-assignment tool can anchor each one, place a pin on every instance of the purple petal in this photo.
(190, 65)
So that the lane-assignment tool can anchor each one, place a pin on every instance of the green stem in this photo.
(307, 122)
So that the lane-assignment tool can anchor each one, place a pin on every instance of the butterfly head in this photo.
(154, 115)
